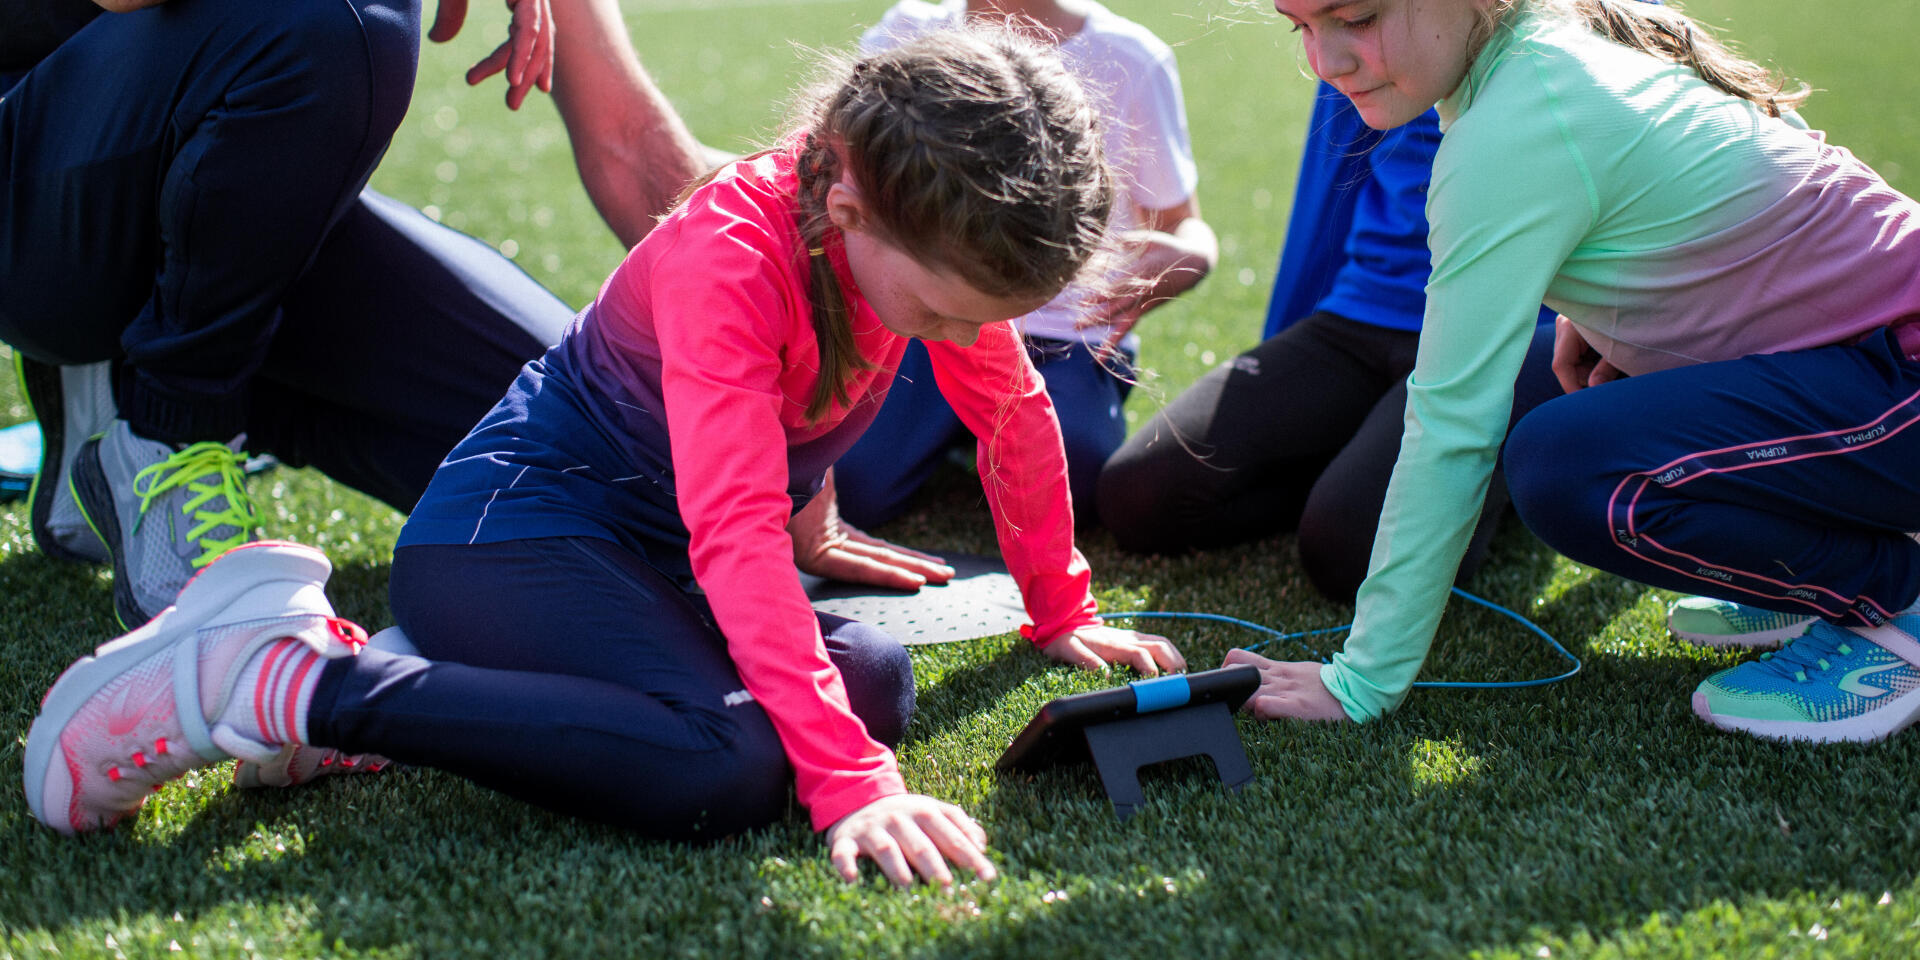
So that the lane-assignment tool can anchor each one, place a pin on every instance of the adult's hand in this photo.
(1288, 688)
(827, 546)
(907, 834)
(1575, 363)
(526, 56)
(1092, 648)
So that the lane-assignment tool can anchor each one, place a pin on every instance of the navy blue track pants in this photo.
(181, 192)
(1788, 481)
(910, 436)
(569, 673)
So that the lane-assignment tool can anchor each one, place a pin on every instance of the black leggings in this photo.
(1299, 433)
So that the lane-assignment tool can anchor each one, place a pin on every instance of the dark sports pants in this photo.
(1788, 481)
(567, 672)
(910, 436)
(183, 195)
(1299, 433)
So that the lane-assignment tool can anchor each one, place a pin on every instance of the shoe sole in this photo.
(215, 589)
(43, 380)
(87, 483)
(1877, 724)
(1752, 640)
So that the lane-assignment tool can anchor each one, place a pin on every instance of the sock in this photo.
(273, 693)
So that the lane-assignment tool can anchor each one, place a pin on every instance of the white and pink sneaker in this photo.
(219, 674)
(296, 764)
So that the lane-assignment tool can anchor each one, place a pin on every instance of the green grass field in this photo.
(1592, 818)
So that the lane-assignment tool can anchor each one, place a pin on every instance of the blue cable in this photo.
(1275, 636)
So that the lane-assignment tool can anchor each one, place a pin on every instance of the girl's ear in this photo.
(845, 207)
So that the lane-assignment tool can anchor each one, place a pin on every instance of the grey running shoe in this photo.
(164, 513)
(72, 404)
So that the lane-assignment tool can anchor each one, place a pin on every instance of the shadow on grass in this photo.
(1496, 820)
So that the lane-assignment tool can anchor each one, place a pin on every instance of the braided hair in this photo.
(978, 154)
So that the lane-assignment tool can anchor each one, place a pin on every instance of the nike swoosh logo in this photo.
(122, 717)
(1851, 682)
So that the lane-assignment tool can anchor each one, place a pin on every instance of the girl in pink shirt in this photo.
(601, 577)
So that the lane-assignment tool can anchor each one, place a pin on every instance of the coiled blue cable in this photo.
(1275, 636)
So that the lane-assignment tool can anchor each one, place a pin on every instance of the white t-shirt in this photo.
(1132, 78)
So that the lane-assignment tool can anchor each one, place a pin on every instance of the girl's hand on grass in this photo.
(1094, 647)
(827, 546)
(526, 56)
(907, 834)
(1288, 688)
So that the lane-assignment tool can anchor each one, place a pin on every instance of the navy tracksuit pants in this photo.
(183, 195)
(910, 436)
(1787, 481)
(568, 672)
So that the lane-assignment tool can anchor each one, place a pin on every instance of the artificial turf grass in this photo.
(1596, 817)
(1591, 816)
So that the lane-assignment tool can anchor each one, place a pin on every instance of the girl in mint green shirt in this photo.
(1685, 227)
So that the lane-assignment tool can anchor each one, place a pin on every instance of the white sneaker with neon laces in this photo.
(214, 676)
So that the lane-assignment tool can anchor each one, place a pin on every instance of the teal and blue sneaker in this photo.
(162, 512)
(1708, 622)
(1829, 684)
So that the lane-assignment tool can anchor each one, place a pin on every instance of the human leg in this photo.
(169, 234)
(568, 673)
(1787, 484)
(397, 340)
(1088, 393)
(165, 238)
(1342, 511)
(901, 448)
(1232, 458)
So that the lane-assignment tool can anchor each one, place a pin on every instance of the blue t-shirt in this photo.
(1370, 188)
(1357, 239)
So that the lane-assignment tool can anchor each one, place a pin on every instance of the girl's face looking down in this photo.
(1392, 58)
(914, 299)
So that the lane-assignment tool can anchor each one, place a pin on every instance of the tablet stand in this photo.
(1121, 747)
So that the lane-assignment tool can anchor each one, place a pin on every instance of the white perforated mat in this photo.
(981, 601)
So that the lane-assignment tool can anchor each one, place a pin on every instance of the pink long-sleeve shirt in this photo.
(710, 315)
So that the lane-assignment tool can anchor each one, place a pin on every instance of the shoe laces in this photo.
(1812, 650)
(153, 765)
(215, 481)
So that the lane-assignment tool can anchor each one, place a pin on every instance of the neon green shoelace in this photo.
(210, 472)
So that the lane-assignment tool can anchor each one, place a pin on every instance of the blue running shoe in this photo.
(1830, 684)
(1708, 622)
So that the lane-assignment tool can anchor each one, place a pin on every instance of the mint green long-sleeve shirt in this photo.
(1673, 223)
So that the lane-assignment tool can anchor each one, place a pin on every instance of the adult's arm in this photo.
(633, 151)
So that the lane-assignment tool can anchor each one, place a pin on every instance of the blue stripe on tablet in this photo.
(1161, 694)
